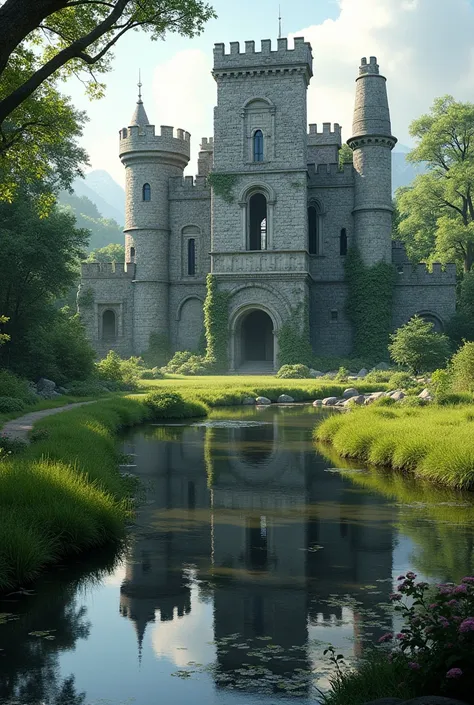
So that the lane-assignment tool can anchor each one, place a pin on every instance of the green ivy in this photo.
(294, 346)
(369, 305)
(85, 298)
(223, 185)
(159, 350)
(216, 322)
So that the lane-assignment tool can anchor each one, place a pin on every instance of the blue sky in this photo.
(424, 47)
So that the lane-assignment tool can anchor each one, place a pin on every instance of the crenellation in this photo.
(107, 270)
(300, 54)
(421, 275)
(324, 175)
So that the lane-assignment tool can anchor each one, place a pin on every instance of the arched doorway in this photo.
(257, 337)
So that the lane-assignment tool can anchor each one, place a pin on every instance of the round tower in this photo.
(372, 143)
(150, 160)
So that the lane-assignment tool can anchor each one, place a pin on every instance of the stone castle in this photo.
(274, 227)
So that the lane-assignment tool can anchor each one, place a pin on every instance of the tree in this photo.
(437, 212)
(4, 337)
(346, 156)
(417, 346)
(461, 325)
(109, 253)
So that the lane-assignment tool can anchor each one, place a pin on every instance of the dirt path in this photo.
(18, 429)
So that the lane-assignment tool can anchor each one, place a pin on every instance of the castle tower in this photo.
(150, 160)
(372, 143)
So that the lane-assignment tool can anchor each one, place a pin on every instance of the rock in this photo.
(262, 401)
(433, 700)
(362, 373)
(358, 400)
(62, 390)
(373, 397)
(45, 385)
(248, 401)
(315, 373)
(340, 402)
(285, 399)
(330, 401)
(350, 392)
(382, 366)
(425, 394)
(398, 395)
(318, 402)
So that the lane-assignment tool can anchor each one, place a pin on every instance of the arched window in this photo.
(132, 254)
(146, 191)
(191, 256)
(314, 227)
(257, 236)
(108, 324)
(343, 242)
(258, 146)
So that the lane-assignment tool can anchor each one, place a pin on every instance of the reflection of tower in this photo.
(172, 471)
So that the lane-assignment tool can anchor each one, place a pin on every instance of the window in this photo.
(108, 324)
(132, 254)
(334, 315)
(314, 230)
(146, 192)
(257, 239)
(343, 242)
(191, 256)
(258, 146)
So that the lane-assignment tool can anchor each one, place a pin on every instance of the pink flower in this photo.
(414, 666)
(395, 597)
(401, 636)
(445, 590)
(467, 625)
(401, 577)
(422, 585)
(386, 637)
(444, 622)
(433, 605)
(468, 579)
(454, 673)
(459, 588)
(411, 576)
(401, 587)
(453, 603)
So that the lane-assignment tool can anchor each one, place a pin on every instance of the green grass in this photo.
(43, 404)
(432, 442)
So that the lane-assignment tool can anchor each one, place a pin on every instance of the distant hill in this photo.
(103, 230)
(403, 172)
(100, 188)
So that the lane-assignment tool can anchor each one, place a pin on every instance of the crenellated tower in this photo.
(372, 143)
(150, 160)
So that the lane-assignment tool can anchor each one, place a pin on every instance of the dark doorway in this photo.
(257, 337)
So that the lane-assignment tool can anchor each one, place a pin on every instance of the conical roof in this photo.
(139, 116)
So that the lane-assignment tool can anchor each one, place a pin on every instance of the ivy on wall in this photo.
(369, 305)
(294, 345)
(85, 297)
(223, 185)
(216, 323)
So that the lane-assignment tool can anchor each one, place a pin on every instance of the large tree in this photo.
(436, 214)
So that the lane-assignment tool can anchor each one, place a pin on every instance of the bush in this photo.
(462, 369)
(113, 369)
(342, 375)
(171, 405)
(89, 388)
(384, 401)
(195, 365)
(417, 346)
(402, 380)
(178, 359)
(13, 386)
(10, 405)
(377, 376)
(109, 368)
(293, 372)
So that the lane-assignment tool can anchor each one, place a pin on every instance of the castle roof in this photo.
(139, 116)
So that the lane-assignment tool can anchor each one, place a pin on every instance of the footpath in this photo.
(18, 429)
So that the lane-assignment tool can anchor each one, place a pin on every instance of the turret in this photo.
(150, 160)
(372, 143)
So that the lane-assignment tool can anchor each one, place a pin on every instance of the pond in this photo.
(251, 552)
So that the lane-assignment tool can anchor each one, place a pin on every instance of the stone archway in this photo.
(254, 339)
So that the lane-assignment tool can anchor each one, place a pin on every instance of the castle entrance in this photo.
(257, 337)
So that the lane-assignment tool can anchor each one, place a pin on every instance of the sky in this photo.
(425, 48)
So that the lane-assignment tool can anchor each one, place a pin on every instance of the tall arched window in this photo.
(146, 192)
(108, 324)
(258, 146)
(314, 227)
(343, 242)
(132, 254)
(257, 236)
(191, 256)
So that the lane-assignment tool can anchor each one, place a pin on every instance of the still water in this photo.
(251, 552)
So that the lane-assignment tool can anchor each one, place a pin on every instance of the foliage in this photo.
(112, 252)
(418, 346)
(461, 325)
(196, 365)
(178, 359)
(294, 346)
(293, 372)
(159, 350)
(110, 367)
(462, 369)
(216, 322)
(222, 185)
(346, 156)
(87, 388)
(437, 212)
(124, 372)
(103, 231)
(378, 376)
(402, 380)
(85, 297)
(4, 337)
(10, 404)
(11, 385)
(341, 375)
(172, 405)
(369, 305)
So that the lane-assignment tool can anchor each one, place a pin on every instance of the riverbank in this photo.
(433, 442)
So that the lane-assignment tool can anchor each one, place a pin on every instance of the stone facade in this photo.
(275, 237)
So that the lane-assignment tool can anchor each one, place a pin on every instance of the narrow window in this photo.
(108, 324)
(313, 230)
(146, 192)
(258, 146)
(334, 315)
(192, 256)
(257, 222)
(132, 254)
(343, 242)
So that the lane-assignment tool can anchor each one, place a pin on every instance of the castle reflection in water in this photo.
(270, 534)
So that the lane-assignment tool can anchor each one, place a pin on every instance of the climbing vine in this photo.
(216, 322)
(223, 185)
(85, 297)
(294, 346)
(369, 305)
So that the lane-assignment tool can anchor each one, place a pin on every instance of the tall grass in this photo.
(434, 442)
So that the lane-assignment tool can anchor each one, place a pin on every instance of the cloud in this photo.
(424, 48)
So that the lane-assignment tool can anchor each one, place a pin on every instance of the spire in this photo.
(279, 21)
(371, 112)
(139, 116)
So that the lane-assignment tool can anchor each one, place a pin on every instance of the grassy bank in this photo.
(64, 494)
(432, 442)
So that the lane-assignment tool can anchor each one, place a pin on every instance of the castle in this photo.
(273, 223)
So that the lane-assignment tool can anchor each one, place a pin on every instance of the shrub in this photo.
(462, 369)
(113, 369)
(195, 365)
(89, 388)
(402, 380)
(417, 346)
(109, 367)
(10, 405)
(341, 375)
(178, 359)
(293, 372)
(384, 401)
(171, 405)
(376, 376)
(13, 386)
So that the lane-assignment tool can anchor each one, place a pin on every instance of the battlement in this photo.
(420, 275)
(107, 270)
(300, 55)
(330, 175)
(326, 136)
(141, 139)
(189, 187)
(207, 144)
(370, 67)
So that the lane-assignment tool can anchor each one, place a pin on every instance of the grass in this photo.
(432, 442)
(64, 400)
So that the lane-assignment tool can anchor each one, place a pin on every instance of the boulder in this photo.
(362, 373)
(45, 385)
(315, 373)
(398, 395)
(425, 394)
(318, 402)
(330, 401)
(285, 399)
(262, 401)
(350, 392)
(358, 400)
(374, 396)
(248, 401)
(340, 402)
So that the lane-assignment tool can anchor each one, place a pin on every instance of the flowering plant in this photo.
(436, 643)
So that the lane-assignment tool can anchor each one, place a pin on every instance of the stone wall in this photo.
(419, 291)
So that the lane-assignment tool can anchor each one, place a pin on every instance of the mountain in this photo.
(100, 188)
(103, 230)
(403, 172)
